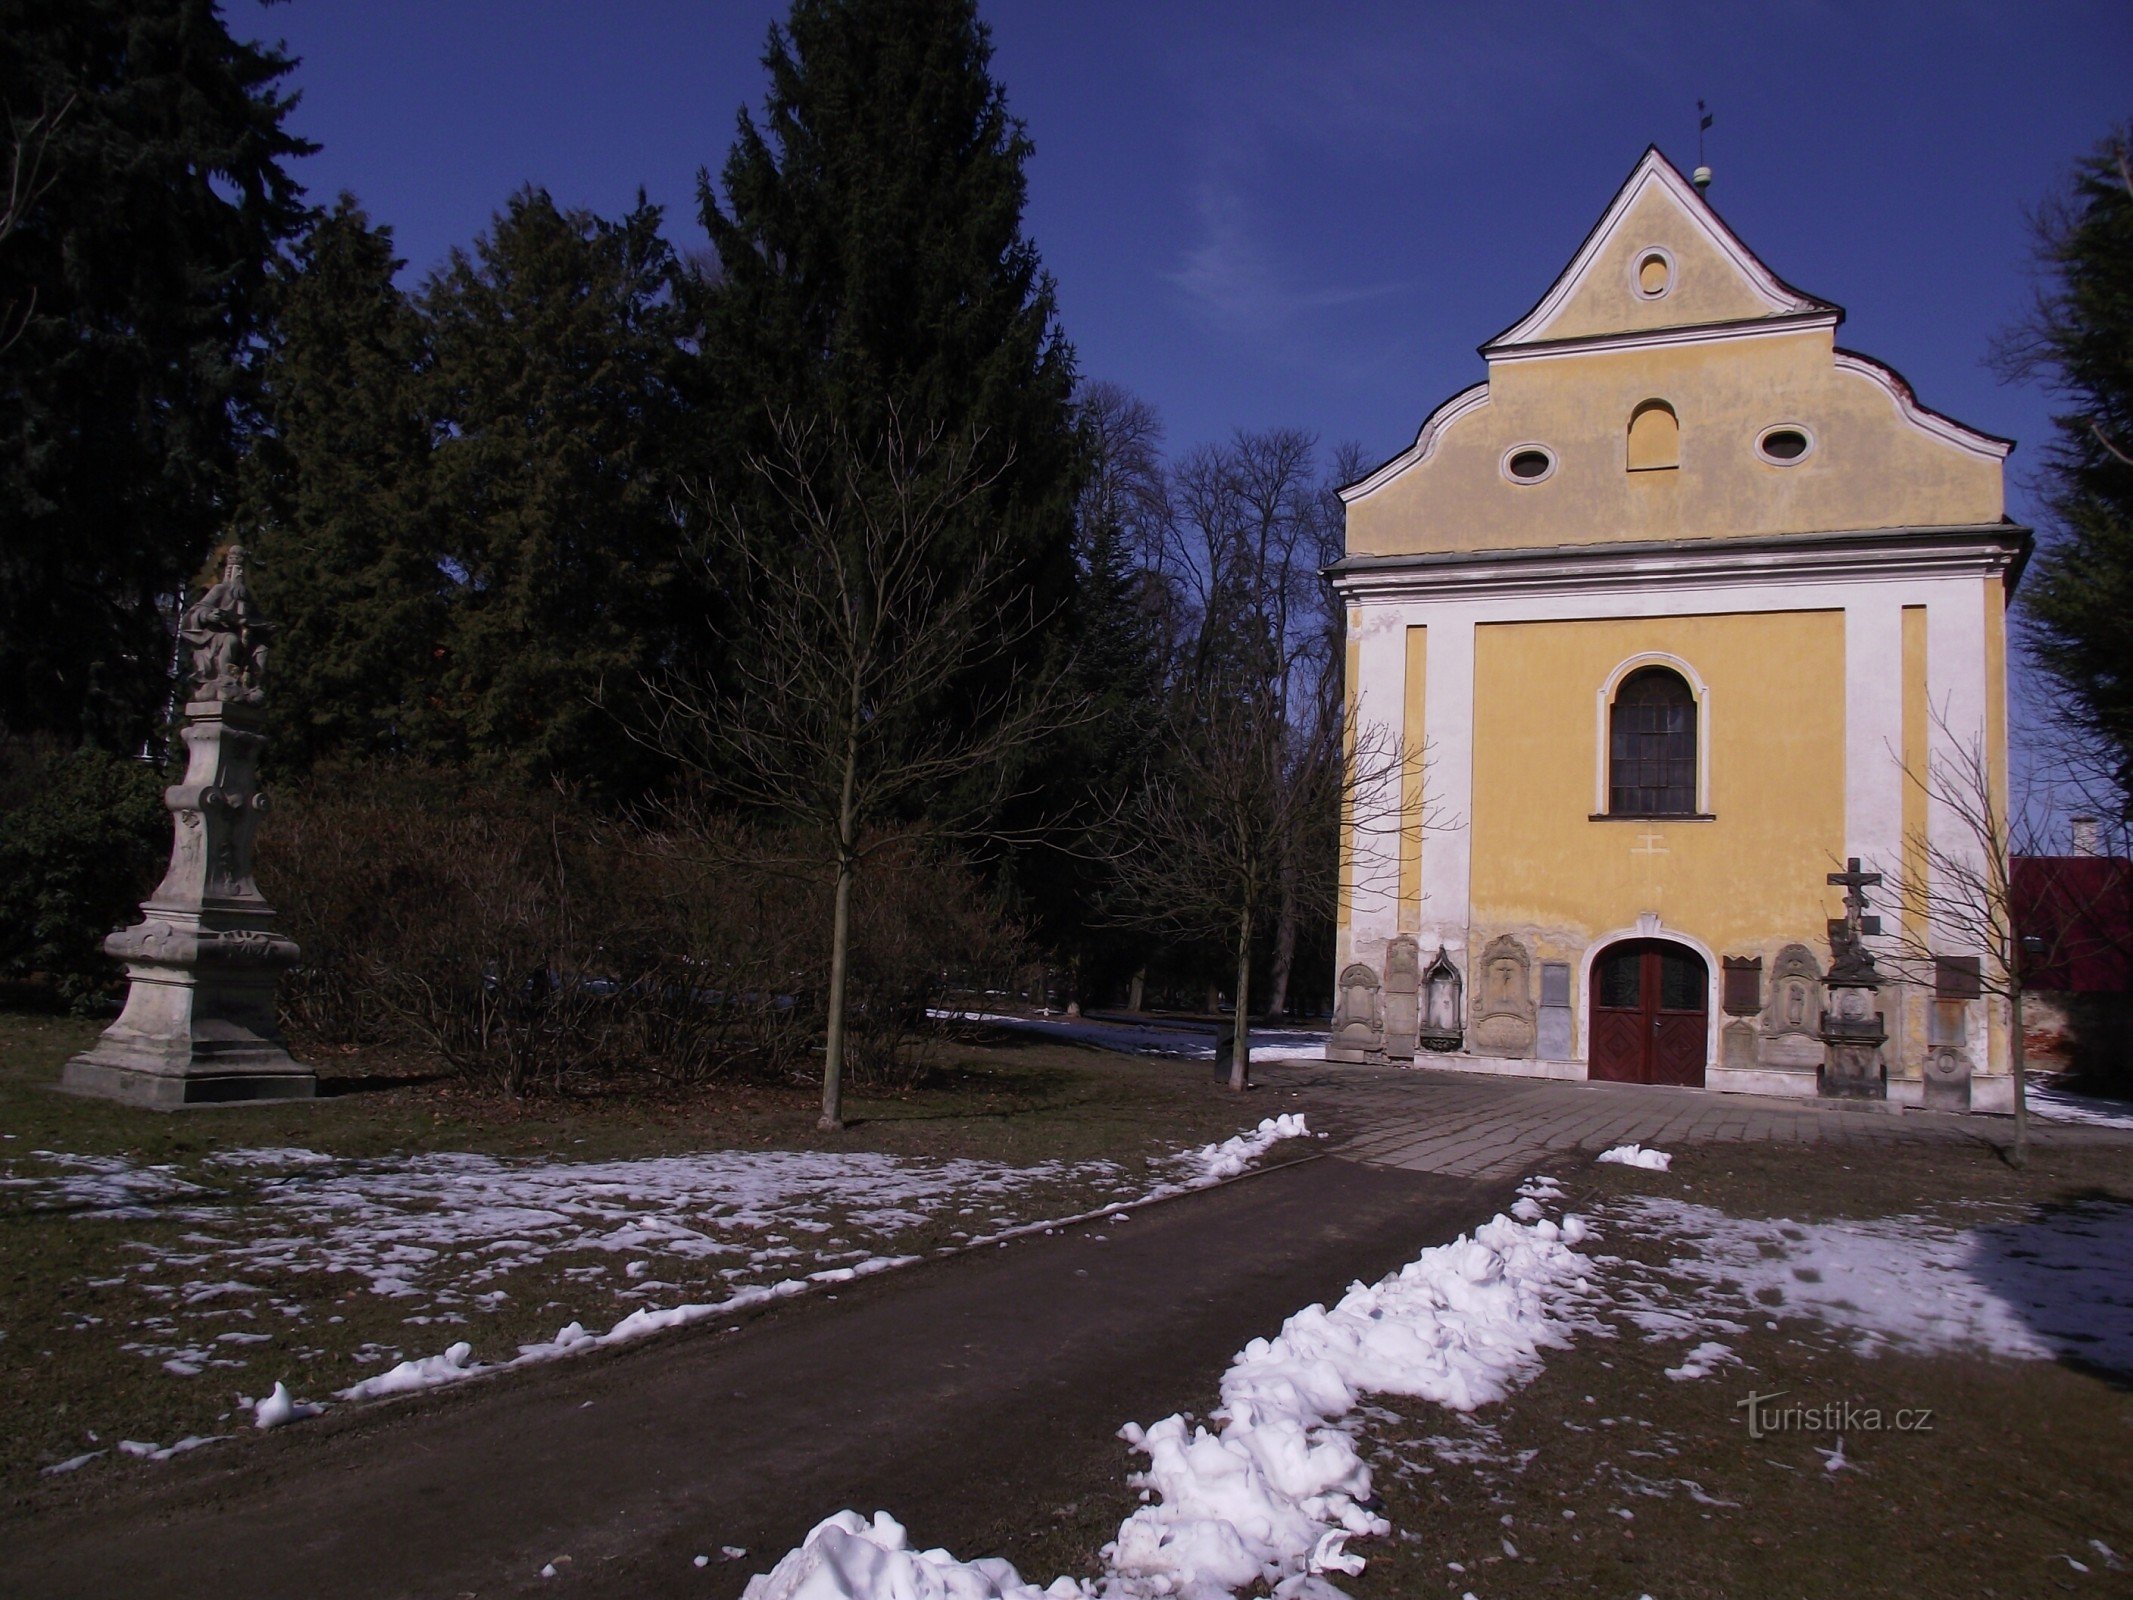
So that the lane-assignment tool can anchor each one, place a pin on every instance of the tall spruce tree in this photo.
(2079, 598)
(871, 258)
(132, 282)
(337, 502)
(556, 348)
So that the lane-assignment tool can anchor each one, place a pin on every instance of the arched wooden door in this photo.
(1650, 1018)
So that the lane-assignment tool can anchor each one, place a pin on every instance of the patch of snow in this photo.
(290, 1157)
(71, 1463)
(410, 1376)
(2057, 1283)
(846, 1557)
(1635, 1155)
(2053, 1104)
(1702, 1361)
(1213, 1163)
(280, 1408)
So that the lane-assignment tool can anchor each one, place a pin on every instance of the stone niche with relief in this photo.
(1358, 1017)
(1403, 997)
(1503, 1000)
(1791, 1017)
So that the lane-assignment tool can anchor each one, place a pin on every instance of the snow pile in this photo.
(848, 1558)
(1635, 1155)
(1213, 1163)
(2055, 1284)
(280, 1408)
(457, 1362)
(1275, 1492)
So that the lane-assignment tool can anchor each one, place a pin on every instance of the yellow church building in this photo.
(1666, 614)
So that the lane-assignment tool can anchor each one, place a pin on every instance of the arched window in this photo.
(1654, 437)
(1651, 746)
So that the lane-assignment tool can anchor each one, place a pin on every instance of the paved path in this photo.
(1480, 1125)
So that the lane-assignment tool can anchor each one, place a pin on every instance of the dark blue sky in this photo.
(1264, 214)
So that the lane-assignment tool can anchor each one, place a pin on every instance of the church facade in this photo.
(1668, 620)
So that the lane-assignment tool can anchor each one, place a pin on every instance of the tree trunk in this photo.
(1214, 998)
(841, 934)
(833, 1044)
(1277, 1000)
(1240, 1058)
(1139, 991)
(2015, 1061)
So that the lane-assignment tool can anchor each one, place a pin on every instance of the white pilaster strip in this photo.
(1873, 727)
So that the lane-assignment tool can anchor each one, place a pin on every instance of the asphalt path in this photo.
(968, 1396)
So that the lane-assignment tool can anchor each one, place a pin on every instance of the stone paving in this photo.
(1478, 1125)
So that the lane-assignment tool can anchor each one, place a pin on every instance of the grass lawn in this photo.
(159, 1267)
(1607, 1477)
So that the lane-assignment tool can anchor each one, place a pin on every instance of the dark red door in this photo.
(1650, 1019)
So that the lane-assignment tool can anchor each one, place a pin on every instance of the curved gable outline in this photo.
(1654, 168)
(1425, 444)
(1919, 415)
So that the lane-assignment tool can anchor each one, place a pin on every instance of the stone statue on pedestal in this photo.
(199, 1025)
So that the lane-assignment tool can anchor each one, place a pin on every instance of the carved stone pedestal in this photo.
(199, 1026)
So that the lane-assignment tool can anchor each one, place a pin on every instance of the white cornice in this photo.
(1990, 446)
(1659, 338)
(1994, 549)
(1425, 444)
(1654, 170)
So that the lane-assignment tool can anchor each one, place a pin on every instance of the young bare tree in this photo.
(1958, 899)
(866, 605)
(1234, 832)
(1207, 842)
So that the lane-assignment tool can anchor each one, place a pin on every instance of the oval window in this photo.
(1529, 465)
(1784, 445)
(1654, 274)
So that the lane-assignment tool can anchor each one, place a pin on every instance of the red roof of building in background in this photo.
(2079, 909)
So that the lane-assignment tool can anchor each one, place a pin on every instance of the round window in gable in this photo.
(1783, 446)
(1654, 273)
(1528, 463)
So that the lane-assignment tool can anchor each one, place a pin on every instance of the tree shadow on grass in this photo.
(2066, 1271)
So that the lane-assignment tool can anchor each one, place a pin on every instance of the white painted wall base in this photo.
(1994, 1095)
(1762, 1080)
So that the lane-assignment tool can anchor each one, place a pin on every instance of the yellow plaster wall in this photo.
(1871, 468)
(1775, 684)
(1707, 287)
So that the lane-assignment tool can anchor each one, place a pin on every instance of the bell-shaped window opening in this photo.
(1654, 437)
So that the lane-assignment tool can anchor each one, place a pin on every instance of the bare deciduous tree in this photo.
(1957, 892)
(865, 600)
(1208, 845)
(29, 141)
